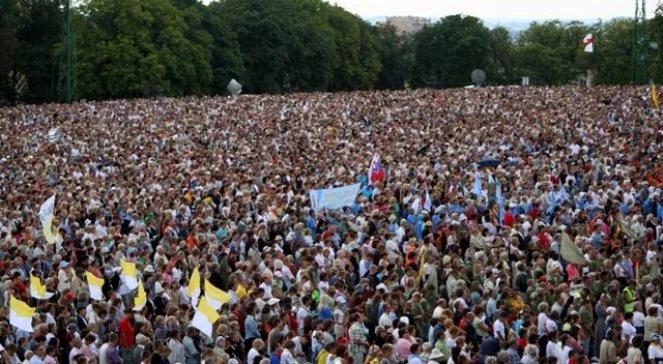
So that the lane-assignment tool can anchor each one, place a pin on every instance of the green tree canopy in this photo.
(139, 48)
(395, 57)
(551, 53)
(446, 53)
(132, 49)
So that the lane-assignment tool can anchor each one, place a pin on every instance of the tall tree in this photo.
(614, 49)
(262, 32)
(358, 63)
(139, 48)
(38, 33)
(226, 60)
(500, 62)
(447, 52)
(394, 57)
(550, 53)
(656, 36)
(9, 22)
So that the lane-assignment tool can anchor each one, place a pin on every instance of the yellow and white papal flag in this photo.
(20, 314)
(128, 275)
(46, 215)
(38, 290)
(193, 289)
(215, 296)
(141, 297)
(205, 317)
(95, 284)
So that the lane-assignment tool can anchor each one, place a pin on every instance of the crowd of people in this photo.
(457, 255)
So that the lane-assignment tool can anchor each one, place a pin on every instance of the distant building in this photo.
(408, 24)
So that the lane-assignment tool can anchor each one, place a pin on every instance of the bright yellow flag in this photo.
(654, 97)
(37, 289)
(193, 289)
(141, 297)
(95, 285)
(129, 275)
(216, 297)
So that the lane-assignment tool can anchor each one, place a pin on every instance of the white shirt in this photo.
(498, 328)
(267, 290)
(102, 353)
(628, 330)
(564, 358)
(287, 357)
(101, 231)
(575, 148)
(552, 349)
(63, 281)
(437, 312)
(73, 353)
(253, 353)
(541, 324)
(287, 275)
(638, 319)
(655, 352)
(364, 266)
(550, 326)
(302, 314)
(651, 256)
(177, 354)
(385, 320)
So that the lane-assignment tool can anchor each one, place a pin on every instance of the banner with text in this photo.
(334, 198)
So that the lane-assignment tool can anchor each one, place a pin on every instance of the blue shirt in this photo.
(251, 328)
(419, 229)
(311, 224)
(435, 220)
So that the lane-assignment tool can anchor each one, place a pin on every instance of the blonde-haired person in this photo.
(374, 355)
(655, 350)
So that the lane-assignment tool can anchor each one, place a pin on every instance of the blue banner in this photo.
(334, 198)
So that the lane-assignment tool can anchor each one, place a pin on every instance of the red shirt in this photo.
(509, 219)
(126, 333)
(292, 321)
(543, 241)
(521, 343)
(534, 213)
(20, 287)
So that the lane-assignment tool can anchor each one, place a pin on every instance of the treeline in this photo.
(139, 48)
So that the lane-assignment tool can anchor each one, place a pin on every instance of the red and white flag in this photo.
(588, 41)
(375, 171)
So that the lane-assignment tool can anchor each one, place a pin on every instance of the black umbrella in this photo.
(486, 163)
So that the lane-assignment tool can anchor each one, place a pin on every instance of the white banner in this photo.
(334, 198)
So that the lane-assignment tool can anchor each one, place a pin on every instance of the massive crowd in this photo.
(424, 267)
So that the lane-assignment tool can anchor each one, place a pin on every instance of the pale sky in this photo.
(492, 9)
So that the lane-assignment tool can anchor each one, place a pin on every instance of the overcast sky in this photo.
(491, 9)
